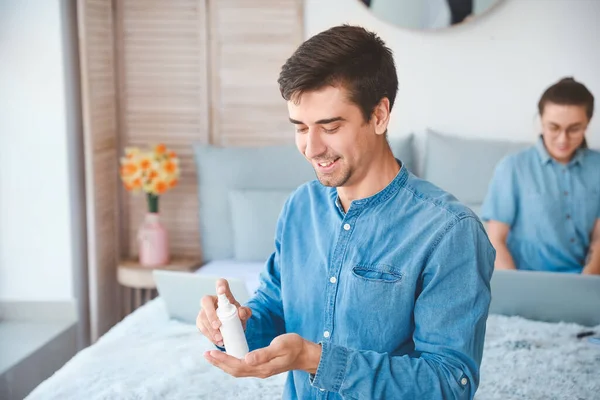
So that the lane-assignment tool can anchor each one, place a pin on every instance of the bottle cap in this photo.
(224, 305)
(223, 300)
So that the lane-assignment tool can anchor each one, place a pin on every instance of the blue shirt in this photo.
(396, 290)
(550, 207)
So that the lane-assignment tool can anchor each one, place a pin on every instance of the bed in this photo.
(149, 356)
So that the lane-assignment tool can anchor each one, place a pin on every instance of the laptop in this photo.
(182, 292)
(547, 296)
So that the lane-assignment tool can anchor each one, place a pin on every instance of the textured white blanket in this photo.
(147, 356)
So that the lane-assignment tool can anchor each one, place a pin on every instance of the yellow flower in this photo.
(145, 162)
(157, 186)
(152, 174)
(130, 169)
(160, 186)
(170, 166)
(134, 184)
(160, 149)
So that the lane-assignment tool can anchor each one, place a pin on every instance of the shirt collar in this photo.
(545, 157)
(578, 157)
(541, 149)
(381, 196)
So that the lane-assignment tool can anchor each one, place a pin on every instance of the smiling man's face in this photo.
(333, 135)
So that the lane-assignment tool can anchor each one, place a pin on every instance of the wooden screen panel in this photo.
(162, 48)
(250, 41)
(96, 38)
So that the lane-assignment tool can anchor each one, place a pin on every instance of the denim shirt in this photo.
(551, 208)
(396, 290)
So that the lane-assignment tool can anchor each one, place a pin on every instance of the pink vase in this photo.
(153, 242)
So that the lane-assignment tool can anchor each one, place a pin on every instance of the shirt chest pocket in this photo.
(368, 283)
(377, 273)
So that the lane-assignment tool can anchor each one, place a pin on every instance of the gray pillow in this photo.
(222, 169)
(254, 215)
(464, 167)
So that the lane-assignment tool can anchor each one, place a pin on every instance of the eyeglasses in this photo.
(571, 132)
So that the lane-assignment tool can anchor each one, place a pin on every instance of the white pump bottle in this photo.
(231, 328)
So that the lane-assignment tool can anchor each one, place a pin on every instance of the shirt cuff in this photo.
(331, 371)
(219, 347)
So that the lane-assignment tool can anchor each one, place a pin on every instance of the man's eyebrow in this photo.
(329, 120)
(575, 124)
(319, 122)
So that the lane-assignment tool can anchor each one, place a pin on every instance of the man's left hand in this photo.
(285, 353)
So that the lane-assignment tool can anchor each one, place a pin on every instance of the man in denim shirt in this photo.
(378, 287)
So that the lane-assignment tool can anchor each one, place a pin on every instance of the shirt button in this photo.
(322, 390)
(464, 381)
(568, 216)
(347, 227)
(566, 193)
(572, 240)
(326, 334)
(333, 279)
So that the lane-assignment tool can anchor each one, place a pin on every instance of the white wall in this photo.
(482, 79)
(36, 255)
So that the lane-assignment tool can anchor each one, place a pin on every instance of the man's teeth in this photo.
(327, 164)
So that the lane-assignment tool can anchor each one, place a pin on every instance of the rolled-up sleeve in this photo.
(501, 200)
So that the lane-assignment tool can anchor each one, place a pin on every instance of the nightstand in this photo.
(138, 282)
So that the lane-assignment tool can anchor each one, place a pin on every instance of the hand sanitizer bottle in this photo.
(231, 328)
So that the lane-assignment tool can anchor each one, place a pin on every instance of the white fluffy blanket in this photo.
(148, 356)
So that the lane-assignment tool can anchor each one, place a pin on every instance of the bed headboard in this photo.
(239, 187)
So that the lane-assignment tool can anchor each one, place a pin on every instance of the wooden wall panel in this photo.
(96, 39)
(249, 42)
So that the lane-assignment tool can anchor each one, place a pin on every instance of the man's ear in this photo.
(381, 116)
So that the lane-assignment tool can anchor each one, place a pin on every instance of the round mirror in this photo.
(427, 14)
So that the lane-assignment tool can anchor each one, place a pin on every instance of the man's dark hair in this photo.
(568, 92)
(347, 56)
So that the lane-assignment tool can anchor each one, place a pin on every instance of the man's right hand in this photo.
(207, 321)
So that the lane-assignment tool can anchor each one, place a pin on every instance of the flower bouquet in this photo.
(153, 173)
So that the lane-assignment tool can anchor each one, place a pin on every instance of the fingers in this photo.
(258, 357)
(239, 368)
(244, 313)
(222, 286)
(208, 306)
(229, 364)
(207, 320)
(204, 326)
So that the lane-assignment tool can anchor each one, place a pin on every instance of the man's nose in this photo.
(314, 145)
